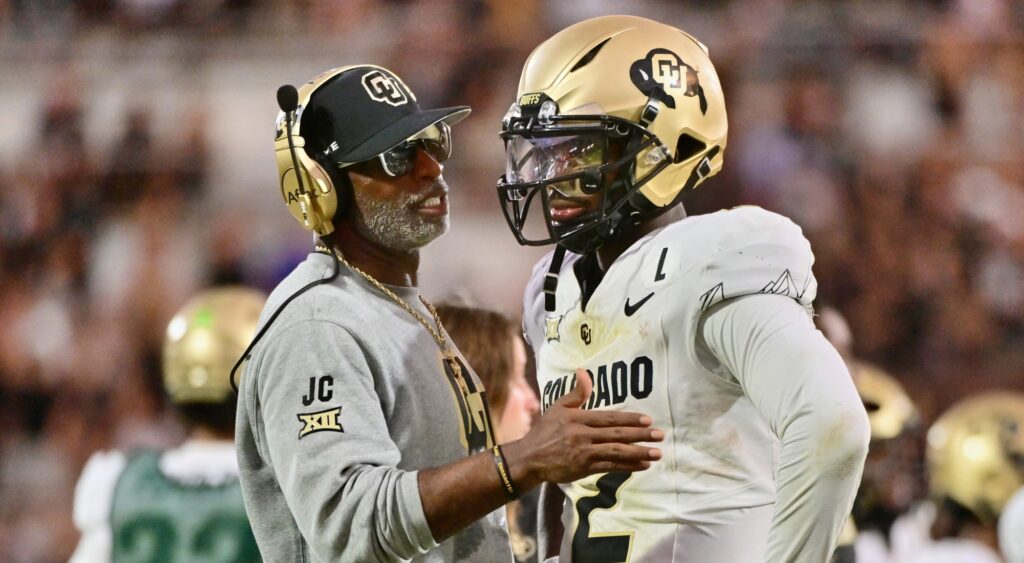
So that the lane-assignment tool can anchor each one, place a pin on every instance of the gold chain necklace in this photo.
(442, 342)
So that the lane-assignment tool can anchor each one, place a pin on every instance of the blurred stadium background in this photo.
(136, 166)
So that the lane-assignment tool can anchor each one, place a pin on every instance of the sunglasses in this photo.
(400, 160)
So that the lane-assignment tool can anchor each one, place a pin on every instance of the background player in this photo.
(893, 475)
(183, 504)
(703, 323)
(892, 472)
(975, 464)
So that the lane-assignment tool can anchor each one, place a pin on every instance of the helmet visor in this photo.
(566, 180)
(538, 158)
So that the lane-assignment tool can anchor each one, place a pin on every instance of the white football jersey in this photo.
(1011, 528)
(910, 541)
(638, 337)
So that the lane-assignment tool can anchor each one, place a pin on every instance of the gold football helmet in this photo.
(203, 341)
(620, 106)
(890, 410)
(976, 453)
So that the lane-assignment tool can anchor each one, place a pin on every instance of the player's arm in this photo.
(797, 380)
(94, 497)
(846, 551)
(343, 486)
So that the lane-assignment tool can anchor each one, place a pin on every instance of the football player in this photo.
(975, 464)
(183, 504)
(890, 486)
(703, 323)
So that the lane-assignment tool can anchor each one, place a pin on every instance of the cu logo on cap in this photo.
(384, 88)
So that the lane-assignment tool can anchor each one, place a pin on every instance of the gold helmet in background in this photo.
(618, 105)
(203, 341)
(976, 453)
(890, 410)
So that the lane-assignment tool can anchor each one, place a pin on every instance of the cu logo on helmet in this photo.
(384, 88)
(666, 70)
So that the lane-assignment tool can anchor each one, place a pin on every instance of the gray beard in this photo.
(395, 224)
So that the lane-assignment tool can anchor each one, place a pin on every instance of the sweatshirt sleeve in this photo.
(326, 437)
(798, 382)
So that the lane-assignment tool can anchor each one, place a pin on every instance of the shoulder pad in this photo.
(94, 492)
(752, 252)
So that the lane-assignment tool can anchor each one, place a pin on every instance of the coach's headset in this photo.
(307, 187)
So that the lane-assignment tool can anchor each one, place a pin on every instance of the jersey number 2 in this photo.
(603, 547)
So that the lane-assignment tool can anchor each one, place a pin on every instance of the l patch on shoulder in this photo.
(323, 421)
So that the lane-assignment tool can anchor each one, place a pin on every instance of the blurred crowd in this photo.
(890, 131)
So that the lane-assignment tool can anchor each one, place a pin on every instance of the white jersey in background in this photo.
(1011, 528)
(705, 325)
(910, 541)
(910, 534)
(956, 550)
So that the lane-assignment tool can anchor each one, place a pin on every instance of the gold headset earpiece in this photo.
(306, 187)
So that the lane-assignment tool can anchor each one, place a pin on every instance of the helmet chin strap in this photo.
(551, 278)
(590, 239)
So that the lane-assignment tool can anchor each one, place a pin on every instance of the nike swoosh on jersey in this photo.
(630, 309)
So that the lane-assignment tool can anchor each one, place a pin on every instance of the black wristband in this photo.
(502, 466)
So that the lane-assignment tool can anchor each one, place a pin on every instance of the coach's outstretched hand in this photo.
(566, 444)
(569, 443)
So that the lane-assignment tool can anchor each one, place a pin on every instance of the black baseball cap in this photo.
(363, 112)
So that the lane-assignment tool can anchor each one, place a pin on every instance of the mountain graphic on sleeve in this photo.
(782, 286)
(712, 296)
(785, 285)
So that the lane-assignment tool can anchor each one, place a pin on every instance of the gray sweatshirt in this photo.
(341, 402)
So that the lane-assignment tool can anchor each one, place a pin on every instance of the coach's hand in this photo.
(569, 443)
